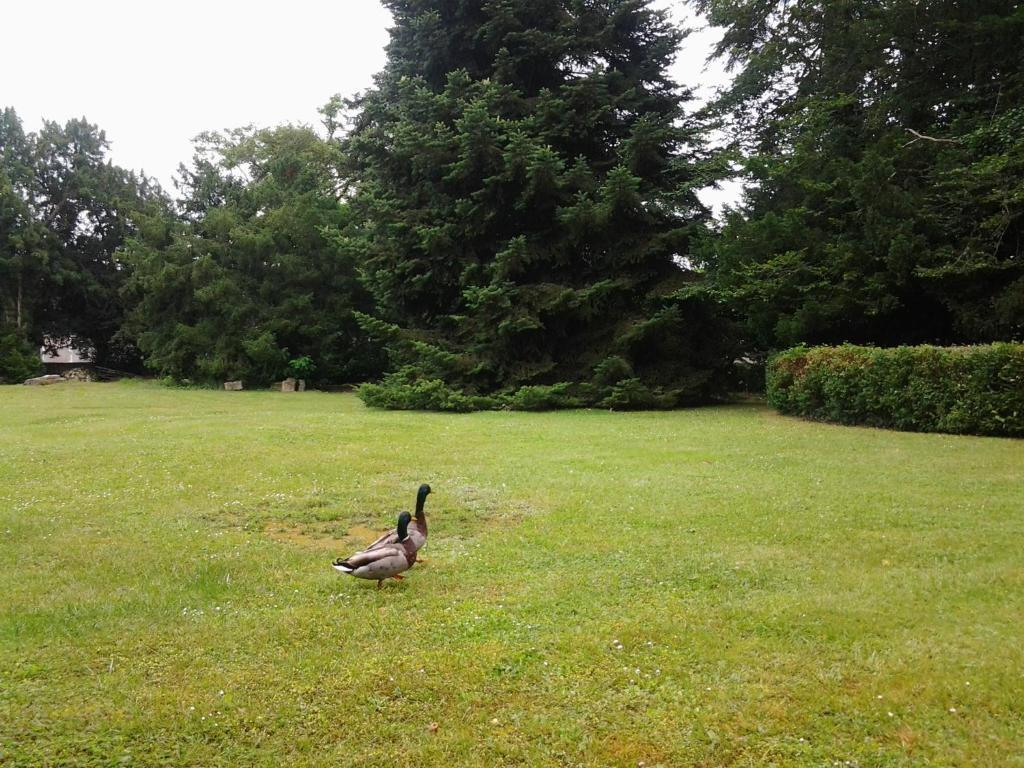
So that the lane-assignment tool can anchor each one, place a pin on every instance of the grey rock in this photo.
(78, 374)
(233, 386)
(43, 380)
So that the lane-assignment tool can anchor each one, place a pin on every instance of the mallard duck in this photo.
(386, 561)
(417, 531)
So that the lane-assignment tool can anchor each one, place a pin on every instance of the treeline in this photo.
(252, 280)
(510, 217)
(242, 275)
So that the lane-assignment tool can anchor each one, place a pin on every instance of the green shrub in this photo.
(612, 370)
(398, 393)
(615, 386)
(544, 398)
(18, 359)
(404, 392)
(963, 390)
(634, 395)
(301, 367)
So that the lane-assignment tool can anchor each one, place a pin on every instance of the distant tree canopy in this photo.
(525, 202)
(511, 219)
(249, 282)
(64, 211)
(885, 147)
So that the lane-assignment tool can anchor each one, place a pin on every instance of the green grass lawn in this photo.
(715, 587)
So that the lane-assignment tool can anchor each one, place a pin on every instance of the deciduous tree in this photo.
(251, 277)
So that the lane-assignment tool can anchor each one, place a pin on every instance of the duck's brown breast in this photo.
(410, 551)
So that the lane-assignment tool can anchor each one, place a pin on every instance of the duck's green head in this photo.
(421, 496)
(403, 526)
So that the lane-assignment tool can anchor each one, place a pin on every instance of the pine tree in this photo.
(885, 146)
(525, 198)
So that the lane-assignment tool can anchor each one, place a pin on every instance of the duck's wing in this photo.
(377, 563)
(366, 556)
(390, 538)
(386, 540)
(391, 563)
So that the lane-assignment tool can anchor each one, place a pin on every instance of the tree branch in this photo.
(919, 136)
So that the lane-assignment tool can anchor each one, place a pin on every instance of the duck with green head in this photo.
(418, 529)
(386, 561)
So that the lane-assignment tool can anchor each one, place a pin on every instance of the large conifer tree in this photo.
(885, 143)
(525, 186)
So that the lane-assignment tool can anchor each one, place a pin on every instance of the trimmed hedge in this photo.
(963, 390)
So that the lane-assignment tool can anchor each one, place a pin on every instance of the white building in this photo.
(63, 357)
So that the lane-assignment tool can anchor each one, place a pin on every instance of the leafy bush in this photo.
(301, 367)
(964, 390)
(18, 359)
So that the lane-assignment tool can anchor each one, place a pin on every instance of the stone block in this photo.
(39, 381)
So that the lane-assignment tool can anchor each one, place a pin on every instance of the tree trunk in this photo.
(17, 310)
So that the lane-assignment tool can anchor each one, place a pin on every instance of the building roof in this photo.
(65, 354)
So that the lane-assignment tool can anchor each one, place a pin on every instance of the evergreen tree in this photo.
(525, 181)
(250, 282)
(885, 146)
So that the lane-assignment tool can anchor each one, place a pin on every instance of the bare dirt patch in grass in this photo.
(326, 537)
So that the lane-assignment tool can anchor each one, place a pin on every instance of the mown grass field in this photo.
(715, 587)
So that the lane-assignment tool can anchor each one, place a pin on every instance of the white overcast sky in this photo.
(155, 74)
